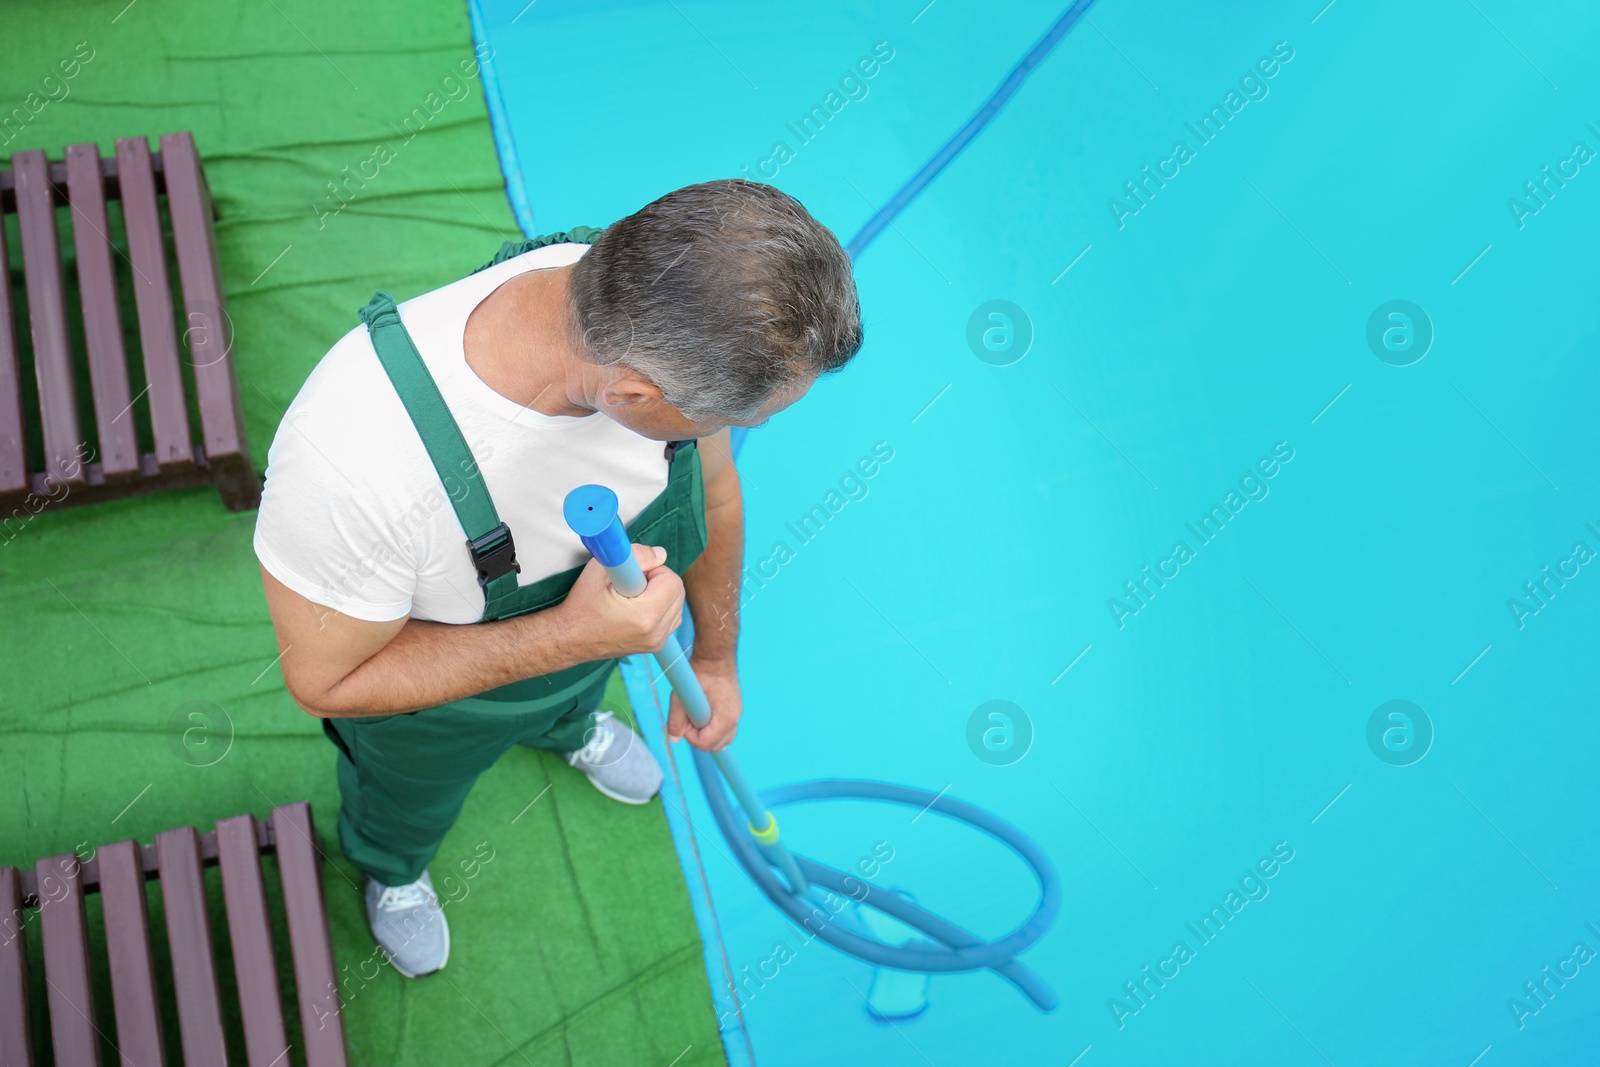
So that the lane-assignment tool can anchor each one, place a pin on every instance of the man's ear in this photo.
(627, 390)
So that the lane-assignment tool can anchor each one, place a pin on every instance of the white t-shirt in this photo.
(355, 518)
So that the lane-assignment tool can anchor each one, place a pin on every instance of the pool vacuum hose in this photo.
(591, 511)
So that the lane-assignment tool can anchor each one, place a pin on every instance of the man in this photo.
(430, 604)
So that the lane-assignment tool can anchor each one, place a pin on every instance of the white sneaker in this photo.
(617, 761)
(408, 923)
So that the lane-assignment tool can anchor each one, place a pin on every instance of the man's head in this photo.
(717, 305)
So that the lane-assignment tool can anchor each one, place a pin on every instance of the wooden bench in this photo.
(108, 462)
(52, 897)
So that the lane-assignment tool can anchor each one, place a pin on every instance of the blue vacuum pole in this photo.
(591, 511)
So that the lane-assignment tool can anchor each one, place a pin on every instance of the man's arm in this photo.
(336, 666)
(713, 584)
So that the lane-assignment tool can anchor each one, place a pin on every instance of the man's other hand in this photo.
(720, 680)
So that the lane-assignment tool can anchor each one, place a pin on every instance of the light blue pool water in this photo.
(1396, 498)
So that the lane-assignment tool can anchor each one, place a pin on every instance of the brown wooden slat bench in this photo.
(53, 893)
(107, 464)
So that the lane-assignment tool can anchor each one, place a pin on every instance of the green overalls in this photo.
(403, 778)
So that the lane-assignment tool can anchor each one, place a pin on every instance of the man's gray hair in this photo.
(721, 295)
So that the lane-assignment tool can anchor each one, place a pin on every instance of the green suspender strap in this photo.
(488, 539)
(494, 553)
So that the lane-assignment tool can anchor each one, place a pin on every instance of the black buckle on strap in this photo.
(494, 554)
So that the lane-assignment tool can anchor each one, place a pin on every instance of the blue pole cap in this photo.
(591, 511)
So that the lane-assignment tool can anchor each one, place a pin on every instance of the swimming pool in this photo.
(1260, 505)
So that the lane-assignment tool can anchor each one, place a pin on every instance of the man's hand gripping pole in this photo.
(591, 511)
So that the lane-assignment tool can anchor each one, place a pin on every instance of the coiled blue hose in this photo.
(955, 949)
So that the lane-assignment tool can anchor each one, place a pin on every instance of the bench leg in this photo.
(237, 482)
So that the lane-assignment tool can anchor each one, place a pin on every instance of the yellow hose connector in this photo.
(769, 836)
